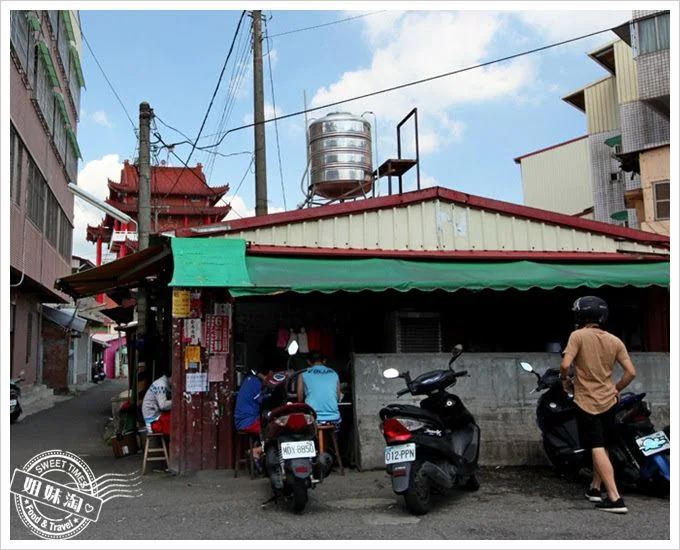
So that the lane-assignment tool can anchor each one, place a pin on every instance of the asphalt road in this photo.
(512, 503)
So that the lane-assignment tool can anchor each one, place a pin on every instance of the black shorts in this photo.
(596, 430)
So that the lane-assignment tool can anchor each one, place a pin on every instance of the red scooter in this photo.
(288, 438)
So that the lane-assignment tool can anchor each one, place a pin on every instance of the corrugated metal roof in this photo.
(444, 221)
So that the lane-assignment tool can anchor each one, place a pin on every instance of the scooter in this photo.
(289, 429)
(98, 373)
(15, 409)
(641, 456)
(433, 447)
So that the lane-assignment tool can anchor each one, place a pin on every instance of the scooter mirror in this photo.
(293, 347)
(391, 373)
(526, 366)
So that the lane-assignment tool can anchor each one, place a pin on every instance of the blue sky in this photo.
(472, 125)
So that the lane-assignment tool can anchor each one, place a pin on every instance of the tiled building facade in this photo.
(45, 82)
(627, 118)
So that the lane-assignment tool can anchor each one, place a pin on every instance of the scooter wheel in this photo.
(419, 495)
(471, 484)
(299, 495)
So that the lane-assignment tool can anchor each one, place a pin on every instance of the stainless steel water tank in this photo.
(340, 154)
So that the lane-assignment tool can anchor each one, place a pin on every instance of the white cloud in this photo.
(93, 178)
(239, 208)
(402, 51)
(101, 118)
(561, 25)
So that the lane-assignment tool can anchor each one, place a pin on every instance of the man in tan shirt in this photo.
(594, 352)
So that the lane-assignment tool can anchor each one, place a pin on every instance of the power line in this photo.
(184, 164)
(412, 83)
(327, 24)
(276, 125)
(212, 99)
(238, 73)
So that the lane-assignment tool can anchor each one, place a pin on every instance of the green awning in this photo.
(61, 105)
(215, 262)
(49, 66)
(74, 142)
(66, 18)
(209, 262)
(613, 141)
(33, 21)
(75, 56)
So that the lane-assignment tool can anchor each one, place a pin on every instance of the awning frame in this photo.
(127, 272)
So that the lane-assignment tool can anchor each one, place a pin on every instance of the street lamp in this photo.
(94, 201)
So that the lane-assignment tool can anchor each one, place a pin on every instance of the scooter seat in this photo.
(410, 411)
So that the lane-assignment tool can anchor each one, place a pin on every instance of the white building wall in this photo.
(436, 225)
(559, 179)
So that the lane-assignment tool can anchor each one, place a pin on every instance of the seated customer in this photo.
(247, 413)
(156, 406)
(319, 387)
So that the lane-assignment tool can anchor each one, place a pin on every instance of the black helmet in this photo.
(590, 309)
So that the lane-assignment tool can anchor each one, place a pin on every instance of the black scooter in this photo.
(289, 429)
(433, 447)
(640, 456)
(15, 409)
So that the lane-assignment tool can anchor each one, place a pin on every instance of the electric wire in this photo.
(212, 99)
(327, 24)
(87, 43)
(252, 160)
(231, 95)
(413, 83)
(185, 166)
(276, 124)
(239, 71)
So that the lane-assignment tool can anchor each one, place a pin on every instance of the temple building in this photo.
(180, 198)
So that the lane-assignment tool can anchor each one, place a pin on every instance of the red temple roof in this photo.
(169, 180)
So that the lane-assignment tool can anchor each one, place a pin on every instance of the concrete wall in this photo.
(497, 393)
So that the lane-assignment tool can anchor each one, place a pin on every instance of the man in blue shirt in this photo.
(319, 387)
(247, 412)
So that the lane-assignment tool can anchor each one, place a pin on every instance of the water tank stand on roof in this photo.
(399, 166)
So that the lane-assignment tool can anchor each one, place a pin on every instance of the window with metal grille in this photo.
(662, 200)
(29, 336)
(71, 161)
(35, 199)
(418, 332)
(65, 236)
(52, 219)
(44, 93)
(16, 162)
(62, 42)
(20, 34)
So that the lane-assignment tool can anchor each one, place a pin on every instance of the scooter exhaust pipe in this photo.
(437, 475)
(325, 464)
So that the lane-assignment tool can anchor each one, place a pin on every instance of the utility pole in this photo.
(143, 228)
(260, 150)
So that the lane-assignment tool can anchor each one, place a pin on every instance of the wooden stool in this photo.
(330, 428)
(151, 452)
(239, 451)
